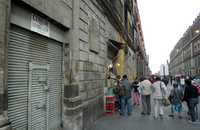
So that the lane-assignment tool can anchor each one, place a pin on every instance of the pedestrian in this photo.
(191, 97)
(145, 91)
(165, 81)
(159, 93)
(171, 79)
(136, 94)
(175, 97)
(182, 82)
(125, 93)
(116, 92)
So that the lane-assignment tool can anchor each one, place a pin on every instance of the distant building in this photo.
(185, 57)
(164, 70)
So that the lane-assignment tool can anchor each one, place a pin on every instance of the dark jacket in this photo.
(190, 92)
(135, 86)
(176, 96)
(127, 88)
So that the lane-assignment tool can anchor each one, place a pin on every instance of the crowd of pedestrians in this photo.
(146, 90)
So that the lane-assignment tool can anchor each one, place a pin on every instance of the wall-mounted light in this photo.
(110, 66)
(197, 31)
(118, 64)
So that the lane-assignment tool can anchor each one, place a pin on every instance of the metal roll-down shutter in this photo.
(24, 48)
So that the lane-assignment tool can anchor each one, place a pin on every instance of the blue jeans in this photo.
(126, 104)
(176, 108)
(118, 103)
(192, 104)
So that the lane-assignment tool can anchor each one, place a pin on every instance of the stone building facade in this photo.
(184, 58)
(54, 59)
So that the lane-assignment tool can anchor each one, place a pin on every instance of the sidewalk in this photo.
(138, 122)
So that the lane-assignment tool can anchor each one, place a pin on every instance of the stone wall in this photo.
(85, 53)
(58, 10)
(91, 63)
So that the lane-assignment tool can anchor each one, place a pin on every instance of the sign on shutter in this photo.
(39, 25)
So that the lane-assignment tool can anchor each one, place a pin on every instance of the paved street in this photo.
(138, 122)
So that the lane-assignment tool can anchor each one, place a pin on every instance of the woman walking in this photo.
(159, 92)
(136, 94)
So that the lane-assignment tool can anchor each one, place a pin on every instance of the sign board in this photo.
(39, 25)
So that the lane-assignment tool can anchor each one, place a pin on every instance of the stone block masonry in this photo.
(4, 25)
(85, 52)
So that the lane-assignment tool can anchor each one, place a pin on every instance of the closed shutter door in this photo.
(38, 109)
(25, 47)
(55, 84)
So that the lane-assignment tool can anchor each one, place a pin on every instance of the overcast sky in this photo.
(163, 24)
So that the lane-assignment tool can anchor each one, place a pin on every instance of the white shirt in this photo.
(159, 90)
(145, 87)
(182, 81)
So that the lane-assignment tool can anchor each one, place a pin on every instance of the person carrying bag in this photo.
(159, 97)
(165, 100)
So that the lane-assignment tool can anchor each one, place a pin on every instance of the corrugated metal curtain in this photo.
(25, 47)
(38, 97)
(55, 84)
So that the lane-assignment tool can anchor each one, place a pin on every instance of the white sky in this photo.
(163, 24)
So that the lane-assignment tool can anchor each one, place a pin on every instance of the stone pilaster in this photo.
(72, 108)
(4, 25)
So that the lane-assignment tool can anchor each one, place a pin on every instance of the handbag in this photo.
(165, 101)
(198, 90)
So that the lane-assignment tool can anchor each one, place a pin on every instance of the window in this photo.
(94, 35)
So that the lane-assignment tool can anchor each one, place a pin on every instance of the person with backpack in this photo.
(191, 97)
(125, 93)
(117, 93)
(175, 97)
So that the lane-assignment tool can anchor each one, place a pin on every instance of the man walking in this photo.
(176, 96)
(145, 91)
(125, 96)
(191, 97)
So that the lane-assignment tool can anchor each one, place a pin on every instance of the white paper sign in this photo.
(39, 25)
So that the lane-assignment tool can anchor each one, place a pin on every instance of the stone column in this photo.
(72, 108)
(4, 26)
